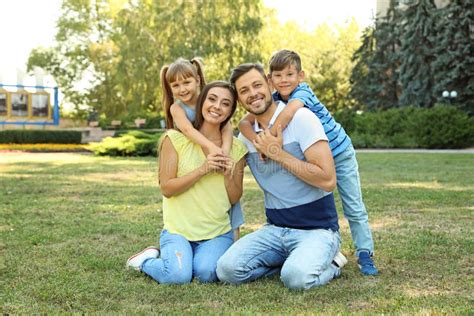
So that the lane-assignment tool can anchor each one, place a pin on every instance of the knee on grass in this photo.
(296, 278)
(205, 274)
(229, 271)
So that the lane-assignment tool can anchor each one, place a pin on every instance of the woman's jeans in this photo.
(304, 257)
(348, 186)
(180, 260)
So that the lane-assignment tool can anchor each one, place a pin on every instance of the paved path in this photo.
(419, 151)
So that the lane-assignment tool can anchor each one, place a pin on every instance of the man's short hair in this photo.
(284, 58)
(242, 69)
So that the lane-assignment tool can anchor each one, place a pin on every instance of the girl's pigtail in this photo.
(167, 97)
(197, 62)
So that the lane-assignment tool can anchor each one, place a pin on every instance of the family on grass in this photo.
(297, 153)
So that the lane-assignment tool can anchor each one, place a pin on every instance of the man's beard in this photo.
(267, 106)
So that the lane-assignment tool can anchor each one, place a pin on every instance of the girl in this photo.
(182, 81)
(198, 188)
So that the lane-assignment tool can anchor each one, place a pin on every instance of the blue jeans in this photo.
(348, 186)
(303, 256)
(180, 260)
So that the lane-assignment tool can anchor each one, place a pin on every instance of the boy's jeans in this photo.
(348, 186)
(304, 256)
(181, 259)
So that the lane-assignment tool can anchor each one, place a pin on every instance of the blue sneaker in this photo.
(366, 264)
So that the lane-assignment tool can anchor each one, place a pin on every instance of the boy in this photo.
(286, 76)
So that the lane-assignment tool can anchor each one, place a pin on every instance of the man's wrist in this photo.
(278, 154)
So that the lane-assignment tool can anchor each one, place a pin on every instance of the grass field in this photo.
(68, 222)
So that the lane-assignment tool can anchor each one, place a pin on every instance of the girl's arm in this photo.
(286, 115)
(185, 126)
(233, 179)
(172, 185)
(246, 127)
(227, 138)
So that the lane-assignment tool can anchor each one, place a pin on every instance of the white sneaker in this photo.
(135, 262)
(339, 260)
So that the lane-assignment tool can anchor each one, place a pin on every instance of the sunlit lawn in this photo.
(69, 222)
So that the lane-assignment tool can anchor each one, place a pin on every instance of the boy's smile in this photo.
(286, 80)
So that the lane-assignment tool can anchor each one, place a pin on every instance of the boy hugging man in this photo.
(286, 77)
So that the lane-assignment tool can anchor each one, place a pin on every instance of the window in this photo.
(19, 104)
(40, 104)
(3, 103)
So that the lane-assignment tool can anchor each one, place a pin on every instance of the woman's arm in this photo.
(172, 185)
(233, 179)
(185, 126)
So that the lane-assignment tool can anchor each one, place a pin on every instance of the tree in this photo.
(417, 54)
(331, 70)
(453, 67)
(376, 75)
(118, 47)
(363, 86)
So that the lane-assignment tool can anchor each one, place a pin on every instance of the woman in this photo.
(198, 189)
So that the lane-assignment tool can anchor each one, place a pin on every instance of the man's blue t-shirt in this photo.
(289, 201)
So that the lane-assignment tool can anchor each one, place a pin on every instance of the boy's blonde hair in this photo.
(283, 58)
(179, 69)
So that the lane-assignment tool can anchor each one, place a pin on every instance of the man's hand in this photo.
(269, 145)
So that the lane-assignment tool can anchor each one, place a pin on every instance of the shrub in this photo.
(134, 143)
(39, 137)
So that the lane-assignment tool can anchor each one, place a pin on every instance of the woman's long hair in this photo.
(202, 97)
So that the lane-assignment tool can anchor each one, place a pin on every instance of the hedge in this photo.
(409, 127)
(39, 137)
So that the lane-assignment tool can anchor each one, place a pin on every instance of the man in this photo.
(302, 235)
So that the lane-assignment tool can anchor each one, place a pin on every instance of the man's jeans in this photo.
(304, 256)
(348, 186)
(181, 260)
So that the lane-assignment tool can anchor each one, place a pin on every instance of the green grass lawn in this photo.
(68, 222)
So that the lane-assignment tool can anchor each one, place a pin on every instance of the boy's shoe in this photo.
(135, 262)
(366, 264)
(339, 260)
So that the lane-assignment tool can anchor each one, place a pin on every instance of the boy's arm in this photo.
(246, 128)
(286, 115)
(185, 126)
(227, 138)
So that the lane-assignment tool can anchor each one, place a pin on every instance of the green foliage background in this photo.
(108, 53)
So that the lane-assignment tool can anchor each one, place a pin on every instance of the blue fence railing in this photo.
(12, 120)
